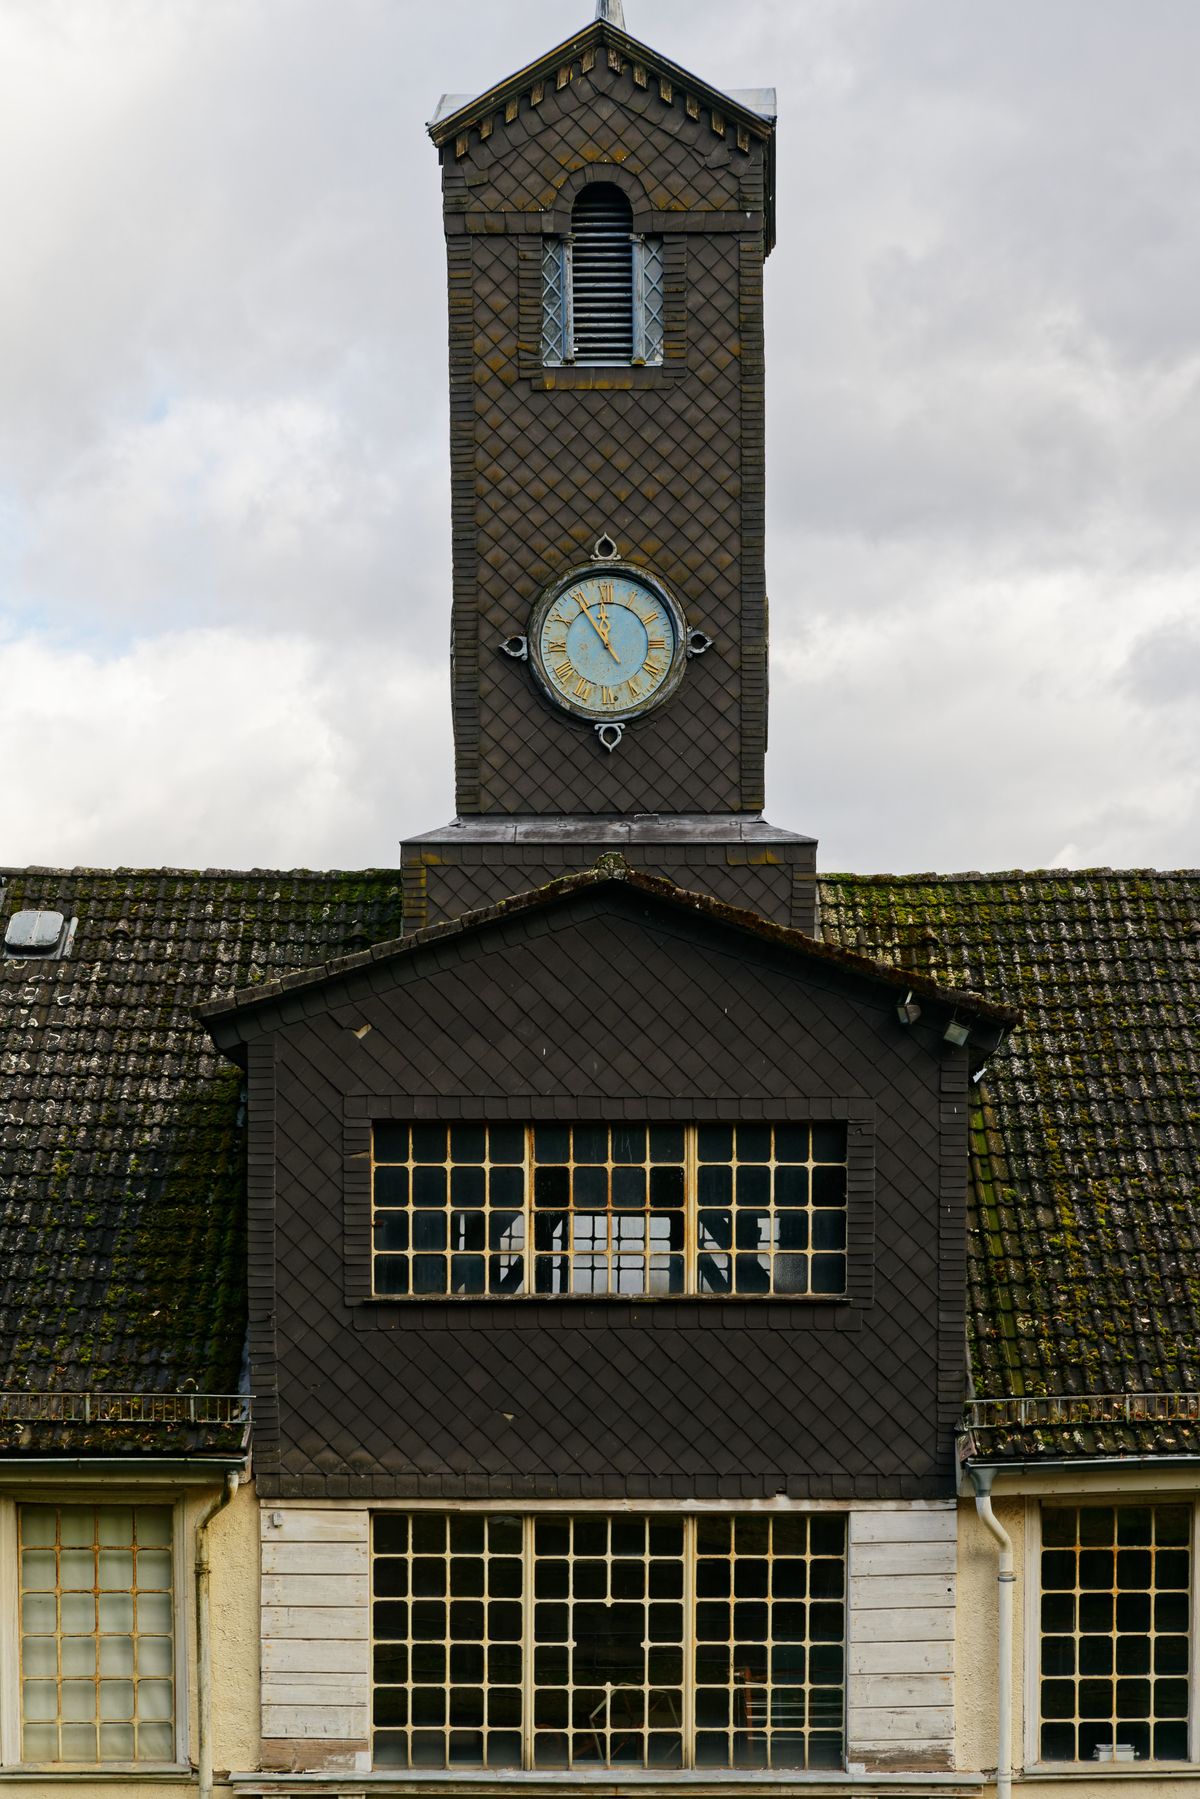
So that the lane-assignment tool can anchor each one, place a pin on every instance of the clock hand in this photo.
(601, 634)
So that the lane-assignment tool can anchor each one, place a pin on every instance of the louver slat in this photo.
(602, 275)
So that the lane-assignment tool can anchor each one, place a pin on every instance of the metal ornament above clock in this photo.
(607, 642)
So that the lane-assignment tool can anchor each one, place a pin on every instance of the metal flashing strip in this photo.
(609, 1780)
(1048, 1411)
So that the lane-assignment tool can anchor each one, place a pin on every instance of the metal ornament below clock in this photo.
(606, 644)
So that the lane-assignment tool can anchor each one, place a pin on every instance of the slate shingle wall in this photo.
(668, 461)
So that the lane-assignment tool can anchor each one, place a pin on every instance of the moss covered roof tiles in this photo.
(121, 1249)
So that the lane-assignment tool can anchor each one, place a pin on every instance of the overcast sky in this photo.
(224, 511)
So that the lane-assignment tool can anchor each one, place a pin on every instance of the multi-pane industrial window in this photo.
(744, 1210)
(97, 1654)
(602, 287)
(1115, 1617)
(654, 1642)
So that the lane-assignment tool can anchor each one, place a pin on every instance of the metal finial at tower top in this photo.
(613, 11)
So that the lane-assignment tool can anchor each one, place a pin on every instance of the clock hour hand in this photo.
(601, 634)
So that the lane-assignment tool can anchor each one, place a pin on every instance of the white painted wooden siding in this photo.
(900, 1635)
(316, 1682)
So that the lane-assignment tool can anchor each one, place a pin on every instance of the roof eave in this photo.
(599, 31)
(222, 1017)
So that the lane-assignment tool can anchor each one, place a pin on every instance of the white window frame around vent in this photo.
(558, 325)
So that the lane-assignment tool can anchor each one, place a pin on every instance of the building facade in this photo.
(703, 1325)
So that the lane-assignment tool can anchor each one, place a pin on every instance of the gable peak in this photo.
(612, 12)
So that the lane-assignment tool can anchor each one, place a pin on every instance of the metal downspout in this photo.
(204, 1753)
(981, 1480)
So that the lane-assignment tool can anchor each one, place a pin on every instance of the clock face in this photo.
(607, 643)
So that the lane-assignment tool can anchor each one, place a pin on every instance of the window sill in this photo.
(464, 1780)
(1112, 1771)
(603, 377)
(99, 1773)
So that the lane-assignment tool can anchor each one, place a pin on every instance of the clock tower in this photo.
(607, 219)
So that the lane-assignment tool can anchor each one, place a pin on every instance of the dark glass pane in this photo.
(750, 1577)
(829, 1142)
(429, 1705)
(467, 1186)
(391, 1533)
(466, 1662)
(1058, 1527)
(429, 1142)
(829, 1274)
(714, 1536)
(1171, 1613)
(1058, 1699)
(506, 1142)
(1173, 1524)
(1171, 1655)
(629, 1187)
(628, 1142)
(714, 1143)
(1170, 1698)
(429, 1230)
(827, 1579)
(1135, 1525)
(827, 1532)
(391, 1142)
(712, 1620)
(551, 1143)
(714, 1186)
(391, 1275)
(1095, 1655)
(391, 1231)
(506, 1187)
(429, 1533)
(591, 1189)
(468, 1230)
(1097, 1525)
(1058, 1743)
(552, 1187)
(829, 1230)
(1095, 1698)
(791, 1143)
(1133, 1698)
(391, 1705)
(1172, 1568)
(429, 1186)
(466, 1577)
(1095, 1612)
(1133, 1570)
(791, 1186)
(391, 1186)
(666, 1188)
(753, 1143)
(468, 1142)
(1133, 1611)
(666, 1143)
(429, 1274)
(391, 1662)
(590, 1142)
(829, 1186)
(753, 1186)
(1058, 1570)
(1171, 1742)
(391, 1578)
(551, 1536)
(1133, 1653)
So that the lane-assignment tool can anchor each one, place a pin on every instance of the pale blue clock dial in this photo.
(607, 645)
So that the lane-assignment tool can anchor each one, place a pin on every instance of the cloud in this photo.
(224, 509)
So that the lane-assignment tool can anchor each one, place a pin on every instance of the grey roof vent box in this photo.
(38, 933)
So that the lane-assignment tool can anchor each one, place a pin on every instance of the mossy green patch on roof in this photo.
(1084, 1250)
(122, 1263)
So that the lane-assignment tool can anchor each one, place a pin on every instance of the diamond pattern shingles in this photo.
(600, 1001)
(670, 467)
(1084, 1240)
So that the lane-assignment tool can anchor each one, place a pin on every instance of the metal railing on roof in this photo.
(229, 1409)
(1040, 1411)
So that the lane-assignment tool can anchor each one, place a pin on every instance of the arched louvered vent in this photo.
(602, 275)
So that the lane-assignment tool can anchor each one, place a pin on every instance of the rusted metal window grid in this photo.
(97, 1633)
(1116, 1604)
(566, 1642)
(746, 1210)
